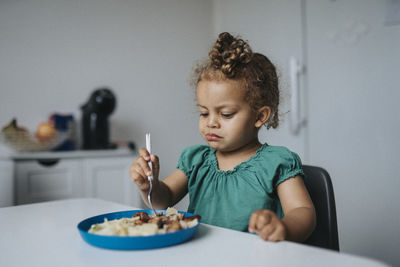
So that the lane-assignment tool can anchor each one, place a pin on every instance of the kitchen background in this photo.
(54, 53)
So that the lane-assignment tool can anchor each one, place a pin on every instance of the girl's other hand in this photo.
(267, 225)
(140, 170)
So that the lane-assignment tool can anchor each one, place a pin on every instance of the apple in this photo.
(46, 132)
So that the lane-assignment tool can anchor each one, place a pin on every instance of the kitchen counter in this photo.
(45, 234)
(70, 154)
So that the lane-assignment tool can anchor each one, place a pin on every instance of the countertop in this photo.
(68, 154)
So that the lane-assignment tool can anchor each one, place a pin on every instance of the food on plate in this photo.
(142, 224)
(46, 132)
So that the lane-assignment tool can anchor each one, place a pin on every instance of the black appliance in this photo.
(95, 125)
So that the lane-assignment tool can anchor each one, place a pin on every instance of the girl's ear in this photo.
(263, 115)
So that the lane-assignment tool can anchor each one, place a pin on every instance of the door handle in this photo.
(295, 117)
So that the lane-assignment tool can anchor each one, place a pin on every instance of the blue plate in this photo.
(132, 242)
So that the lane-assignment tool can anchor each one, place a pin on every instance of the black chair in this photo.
(319, 186)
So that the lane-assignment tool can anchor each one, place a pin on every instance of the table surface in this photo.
(45, 234)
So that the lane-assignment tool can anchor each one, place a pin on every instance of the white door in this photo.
(354, 119)
(279, 37)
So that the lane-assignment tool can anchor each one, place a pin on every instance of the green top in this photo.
(228, 198)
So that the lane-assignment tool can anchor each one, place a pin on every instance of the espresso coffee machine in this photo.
(95, 125)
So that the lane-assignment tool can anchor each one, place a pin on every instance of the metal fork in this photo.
(149, 194)
(150, 177)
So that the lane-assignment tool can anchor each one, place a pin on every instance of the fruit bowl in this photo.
(21, 140)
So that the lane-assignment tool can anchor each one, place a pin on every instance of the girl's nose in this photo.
(212, 121)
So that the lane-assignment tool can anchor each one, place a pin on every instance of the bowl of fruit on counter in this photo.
(45, 138)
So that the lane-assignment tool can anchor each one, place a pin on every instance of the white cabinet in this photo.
(59, 175)
(108, 178)
(6, 182)
(36, 182)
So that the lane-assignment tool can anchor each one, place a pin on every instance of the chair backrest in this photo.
(320, 188)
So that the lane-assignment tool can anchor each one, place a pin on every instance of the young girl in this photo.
(235, 181)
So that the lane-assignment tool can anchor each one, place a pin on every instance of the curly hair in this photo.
(232, 58)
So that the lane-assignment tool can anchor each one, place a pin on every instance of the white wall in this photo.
(53, 53)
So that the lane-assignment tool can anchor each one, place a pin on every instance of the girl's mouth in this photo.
(212, 137)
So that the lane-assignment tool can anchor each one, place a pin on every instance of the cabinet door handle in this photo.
(48, 162)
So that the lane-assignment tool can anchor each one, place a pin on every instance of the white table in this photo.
(45, 234)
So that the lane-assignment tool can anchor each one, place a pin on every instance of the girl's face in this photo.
(227, 122)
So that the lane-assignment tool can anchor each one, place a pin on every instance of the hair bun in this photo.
(230, 54)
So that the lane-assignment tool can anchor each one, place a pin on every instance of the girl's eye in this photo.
(203, 114)
(227, 115)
